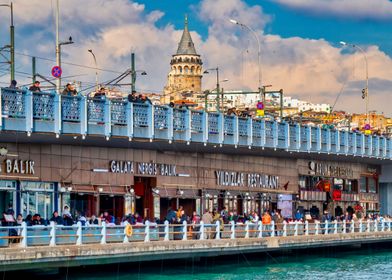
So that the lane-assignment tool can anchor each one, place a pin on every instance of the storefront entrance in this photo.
(114, 205)
(144, 203)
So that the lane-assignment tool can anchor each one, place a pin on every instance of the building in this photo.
(184, 79)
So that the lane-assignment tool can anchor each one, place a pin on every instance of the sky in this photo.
(299, 44)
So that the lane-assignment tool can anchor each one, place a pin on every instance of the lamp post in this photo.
(12, 39)
(96, 69)
(58, 46)
(260, 89)
(217, 87)
(366, 89)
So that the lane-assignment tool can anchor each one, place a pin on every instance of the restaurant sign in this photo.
(329, 170)
(252, 180)
(18, 166)
(143, 168)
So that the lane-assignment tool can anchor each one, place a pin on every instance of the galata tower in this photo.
(184, 79)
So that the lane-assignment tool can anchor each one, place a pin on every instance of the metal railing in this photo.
(52, 235)
(48, 112)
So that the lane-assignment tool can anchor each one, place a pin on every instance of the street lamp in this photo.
(58, 46)
(258, 51)
(217, 86)
(366, 89)
(12, 39)
(96, 69)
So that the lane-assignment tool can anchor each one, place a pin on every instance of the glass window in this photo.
(37, 198)
(372, 185)
(362, 184)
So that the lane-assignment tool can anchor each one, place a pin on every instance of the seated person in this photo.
(70, 90)
(35, 87)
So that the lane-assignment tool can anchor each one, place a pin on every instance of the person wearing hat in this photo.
(35, 87)
(70, 90)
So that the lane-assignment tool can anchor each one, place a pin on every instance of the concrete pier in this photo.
(41, 257)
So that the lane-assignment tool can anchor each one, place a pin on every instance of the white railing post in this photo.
(326, 227)
(52, 241)
(232, 236)
(296, 228)
(147, 231)
(352, 226)
(79, 234)
(306, 227)
(335, 231)
(284, 228)
(217, 230)
(344, 227)
(383, 226)
(316, 228)
(23, 234)
(360, 225)
(247, 229)
(184, 231)
(166, 238)
(272, 229)
(260, 229)
(103, 233)
(202, 237)
(375, 225)
(389, 226)
(125, 240)
(368, 226)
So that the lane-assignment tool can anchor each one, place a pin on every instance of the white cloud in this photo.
(312, 70)
(361, 9)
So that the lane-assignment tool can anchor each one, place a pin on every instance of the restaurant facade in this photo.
(41, 178)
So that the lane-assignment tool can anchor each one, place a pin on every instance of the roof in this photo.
(186, 45)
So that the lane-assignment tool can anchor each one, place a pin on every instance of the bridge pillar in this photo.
(386, 190)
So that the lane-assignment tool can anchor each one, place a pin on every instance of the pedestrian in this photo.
(35, 87)
(69, 90)
(56, 218)
(13, 84)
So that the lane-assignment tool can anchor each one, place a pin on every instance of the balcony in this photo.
(23, 111)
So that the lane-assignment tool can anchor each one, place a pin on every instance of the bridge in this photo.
(59, 115)
(58, 246)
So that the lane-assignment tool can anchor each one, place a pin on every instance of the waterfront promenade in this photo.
(58, 246)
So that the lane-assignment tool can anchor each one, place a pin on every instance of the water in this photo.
(331, 264)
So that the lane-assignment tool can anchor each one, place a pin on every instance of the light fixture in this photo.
(83, 136)
(107, 138)
(3, 151)
(130, 139)
(100, 189)
(69, 189)
(155, 190)
(57, 135)
(132, 190)
(28, 133)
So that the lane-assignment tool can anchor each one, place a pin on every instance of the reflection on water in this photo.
(330, 264)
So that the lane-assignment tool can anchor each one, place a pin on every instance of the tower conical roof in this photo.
(186, 45)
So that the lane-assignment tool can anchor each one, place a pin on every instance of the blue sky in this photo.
(300, 49)
(288, 22)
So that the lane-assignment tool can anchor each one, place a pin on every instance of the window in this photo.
(362, 184)
(372, 183)
(37, 198)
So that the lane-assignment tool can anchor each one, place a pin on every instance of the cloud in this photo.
(378, 10)
(312, 70)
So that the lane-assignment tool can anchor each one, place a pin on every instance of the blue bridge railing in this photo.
(48, 112)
